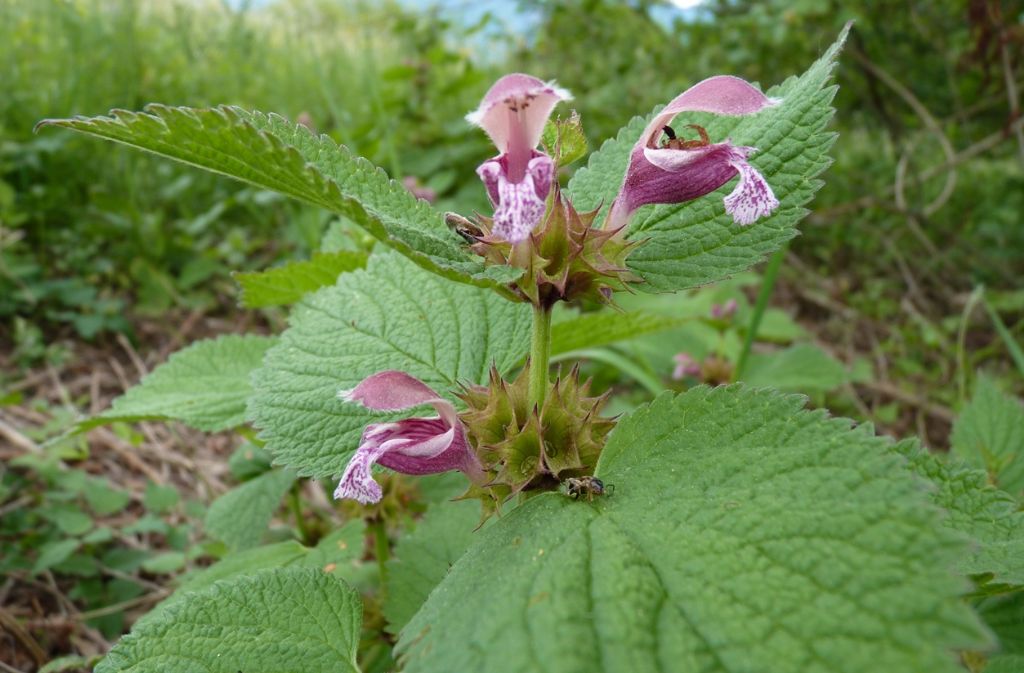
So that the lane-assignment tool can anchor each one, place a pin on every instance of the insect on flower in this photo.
(462, 226)
(674, 143)
(671, 170)
(577, 487)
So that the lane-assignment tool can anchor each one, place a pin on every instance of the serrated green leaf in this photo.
(289, 283)
(273, 153)
(598, 329)
(392, 315)
(803, 368)
(989, 516)
(989, 434)
(564, 139)
(424, 556)
(342, 548)
(742, 530)
(240, 517)
(288, 620)
(204, 385)
(696, 243)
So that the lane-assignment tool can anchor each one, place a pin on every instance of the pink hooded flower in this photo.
(726, 310)
(683, 171)
(685, 366)
(518, 180)
(411, 446)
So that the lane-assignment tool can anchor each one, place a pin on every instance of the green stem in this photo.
(383, 552)
(961, 341)
(540, 355)
(296, 506)
(771, 273)
(1016, 352)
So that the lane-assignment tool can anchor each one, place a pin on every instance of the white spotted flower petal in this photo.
(415, 446)
(518, 180)
(676, 171)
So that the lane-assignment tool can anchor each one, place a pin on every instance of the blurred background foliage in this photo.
(88, 233)
(921, 209)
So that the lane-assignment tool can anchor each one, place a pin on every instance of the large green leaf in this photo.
(564, 139)
(273, 153)
(392, 315)
(989, 516)
(695, 243)
(288, 620)
(744, 534)
(240, 517)
(338, 553)
(289, 283)
(205, 386)
(989, 434)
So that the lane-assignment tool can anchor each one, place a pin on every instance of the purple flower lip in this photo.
(513, 113)
(677, 170)
(414, 446)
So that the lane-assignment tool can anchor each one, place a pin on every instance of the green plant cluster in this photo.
(74, 524)
(737, 526)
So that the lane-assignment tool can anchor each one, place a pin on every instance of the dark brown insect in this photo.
(672, 142)
(577, 487)
(463, 227)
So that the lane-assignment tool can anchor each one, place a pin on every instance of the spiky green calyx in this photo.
(565, 258)
(524, 448)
